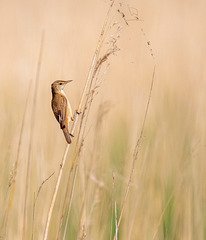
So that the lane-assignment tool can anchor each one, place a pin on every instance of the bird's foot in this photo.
(78, 112)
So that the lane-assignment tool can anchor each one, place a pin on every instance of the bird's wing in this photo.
(59, 107)
(62, 111)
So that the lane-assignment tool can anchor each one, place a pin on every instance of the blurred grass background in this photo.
(168, 191)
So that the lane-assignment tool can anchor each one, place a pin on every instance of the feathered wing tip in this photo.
(67, 135)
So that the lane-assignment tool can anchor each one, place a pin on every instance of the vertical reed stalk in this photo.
(64, 206)
(70, 202)
(116, 227)
(34, 204)
(32, 136)
(136, 151)
(14, 174)
(87, 107)
(113, 181)
(93, 69)
(55, 193)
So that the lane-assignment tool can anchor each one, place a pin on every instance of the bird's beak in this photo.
(69, 81)
(65, 83)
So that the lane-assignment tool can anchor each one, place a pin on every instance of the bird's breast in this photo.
(69, 109)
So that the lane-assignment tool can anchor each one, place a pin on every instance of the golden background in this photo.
(168, 190)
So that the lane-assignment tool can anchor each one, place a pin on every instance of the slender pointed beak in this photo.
(65, 83)
(69, 81)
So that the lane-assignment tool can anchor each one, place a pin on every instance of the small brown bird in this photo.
(61, 107)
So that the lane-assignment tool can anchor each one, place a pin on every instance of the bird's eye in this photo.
(60, 83)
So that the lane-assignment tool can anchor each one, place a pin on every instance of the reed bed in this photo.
(136, 165)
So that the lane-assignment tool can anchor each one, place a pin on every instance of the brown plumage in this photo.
(61, 107)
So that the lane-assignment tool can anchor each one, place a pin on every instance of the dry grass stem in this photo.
(12, 181)
(172, 194)
(95, 66)
(116, 227)
(55, 193)
(35, 200)
(32, 126)
(70, 201)
(90, 176)
(113, 182)
(136, 151)
(162, 214)
(64, 206)
(88, 81)
(83, 124)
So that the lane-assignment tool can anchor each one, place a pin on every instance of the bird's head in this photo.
(59, 85)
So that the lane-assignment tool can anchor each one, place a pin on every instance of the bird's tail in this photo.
(67, 135)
